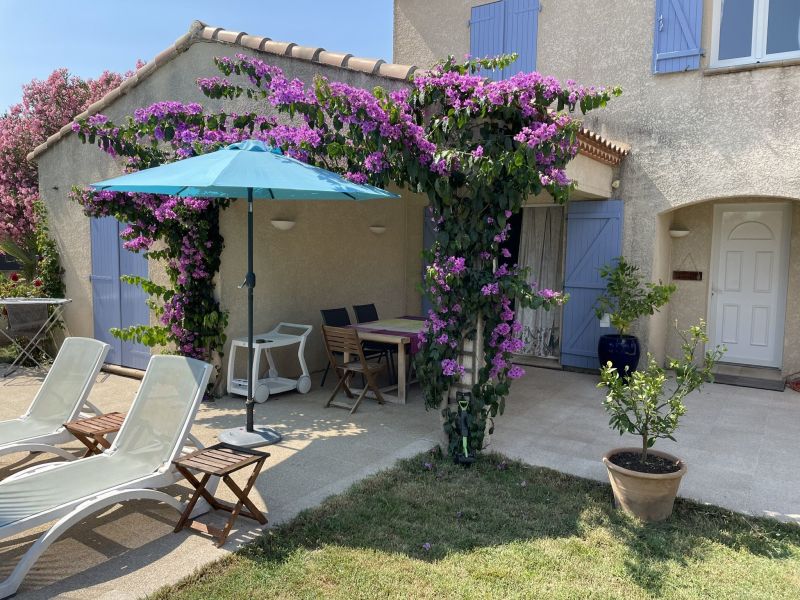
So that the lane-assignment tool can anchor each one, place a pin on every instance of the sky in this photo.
(91, 36)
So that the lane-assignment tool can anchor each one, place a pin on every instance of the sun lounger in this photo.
(61, 398)
(138, 463)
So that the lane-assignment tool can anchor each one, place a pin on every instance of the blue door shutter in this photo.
(486, 34)
(522, 25)
(676, 41)
(594, 238)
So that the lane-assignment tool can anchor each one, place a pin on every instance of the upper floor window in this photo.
(754, 31)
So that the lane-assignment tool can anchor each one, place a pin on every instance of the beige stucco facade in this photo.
(330, 258)
(696, 137)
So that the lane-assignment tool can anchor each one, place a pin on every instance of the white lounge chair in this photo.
(137, 464)
(61, 398)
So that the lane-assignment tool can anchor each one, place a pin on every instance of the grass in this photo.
(498, 530)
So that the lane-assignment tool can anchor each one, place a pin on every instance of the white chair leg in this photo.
(26, 563)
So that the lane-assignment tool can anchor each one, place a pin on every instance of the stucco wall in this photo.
(693, 252)
(695, 136)
(329, 259)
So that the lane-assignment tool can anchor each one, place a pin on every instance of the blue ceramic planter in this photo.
(622, 350)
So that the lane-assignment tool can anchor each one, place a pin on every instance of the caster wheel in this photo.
(261, 393)
(304, 384)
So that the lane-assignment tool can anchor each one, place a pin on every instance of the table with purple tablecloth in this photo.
(403, 332)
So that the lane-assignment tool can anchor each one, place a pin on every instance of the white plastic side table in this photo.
(265, 343)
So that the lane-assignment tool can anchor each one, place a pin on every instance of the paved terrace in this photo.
(740, 445)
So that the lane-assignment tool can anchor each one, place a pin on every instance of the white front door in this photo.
(748, 286)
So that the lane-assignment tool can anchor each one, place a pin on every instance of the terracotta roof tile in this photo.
(307, 53)
(595, 146)
(590, 143)
(334, 59)
(253, 42)
(280, 48)
(365, 65)
(395, 71)
(231, 37)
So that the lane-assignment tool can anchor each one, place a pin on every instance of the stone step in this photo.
(763, 378)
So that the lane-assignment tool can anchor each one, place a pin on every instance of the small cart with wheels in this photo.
(285, 334)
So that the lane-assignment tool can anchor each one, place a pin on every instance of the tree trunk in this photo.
(470, 356)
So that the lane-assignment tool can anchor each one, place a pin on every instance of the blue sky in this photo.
(90, 36)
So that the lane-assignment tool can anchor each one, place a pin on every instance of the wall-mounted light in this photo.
(282, 225)
(377, 229)
(678, 232)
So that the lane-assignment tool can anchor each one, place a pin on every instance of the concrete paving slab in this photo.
(553, 419)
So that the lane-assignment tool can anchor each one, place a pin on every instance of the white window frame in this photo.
(758, 51)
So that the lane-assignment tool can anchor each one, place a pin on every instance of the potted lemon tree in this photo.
(626, 298)
(645, 481)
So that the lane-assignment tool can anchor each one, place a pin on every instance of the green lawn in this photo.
(502, 530)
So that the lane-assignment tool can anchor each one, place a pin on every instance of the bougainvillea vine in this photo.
(477, 148)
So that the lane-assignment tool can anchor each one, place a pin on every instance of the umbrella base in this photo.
(239, 436)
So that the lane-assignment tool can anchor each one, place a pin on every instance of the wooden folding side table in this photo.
(220, 460)
(92, 431)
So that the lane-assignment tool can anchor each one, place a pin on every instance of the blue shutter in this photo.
(486, 33)
(676, 41)
(594, 238)
(116, 304)
(105, 283)
(522, 25)
(133, 303)
(428, 238)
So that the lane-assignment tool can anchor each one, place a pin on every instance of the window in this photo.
(504, 27)
(755, 31)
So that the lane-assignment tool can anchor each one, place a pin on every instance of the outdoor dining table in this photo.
(401, 332)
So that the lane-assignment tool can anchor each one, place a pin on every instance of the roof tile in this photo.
(231, 37)
(365, 65)
(280, 48)
(253, 42)
(306, 52)
(395, 71)
(591, 143)
(334, 59)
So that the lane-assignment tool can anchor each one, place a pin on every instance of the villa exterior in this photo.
(708, 196)
(329, 258)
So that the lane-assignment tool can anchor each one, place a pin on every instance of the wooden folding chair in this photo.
(343, 341)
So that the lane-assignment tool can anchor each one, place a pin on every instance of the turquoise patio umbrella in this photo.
(252, 170)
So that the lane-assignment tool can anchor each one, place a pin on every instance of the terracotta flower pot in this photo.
(648, 496)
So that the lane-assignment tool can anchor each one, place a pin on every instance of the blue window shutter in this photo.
(594, 238)
(486, 34)
(522, 25)
(117, 304)
(105, 284)
(676, 38)
(428, 239)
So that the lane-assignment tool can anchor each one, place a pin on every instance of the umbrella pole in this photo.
(251, 283)
(250, 436)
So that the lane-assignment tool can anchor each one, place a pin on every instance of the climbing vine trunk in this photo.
(471, 357)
